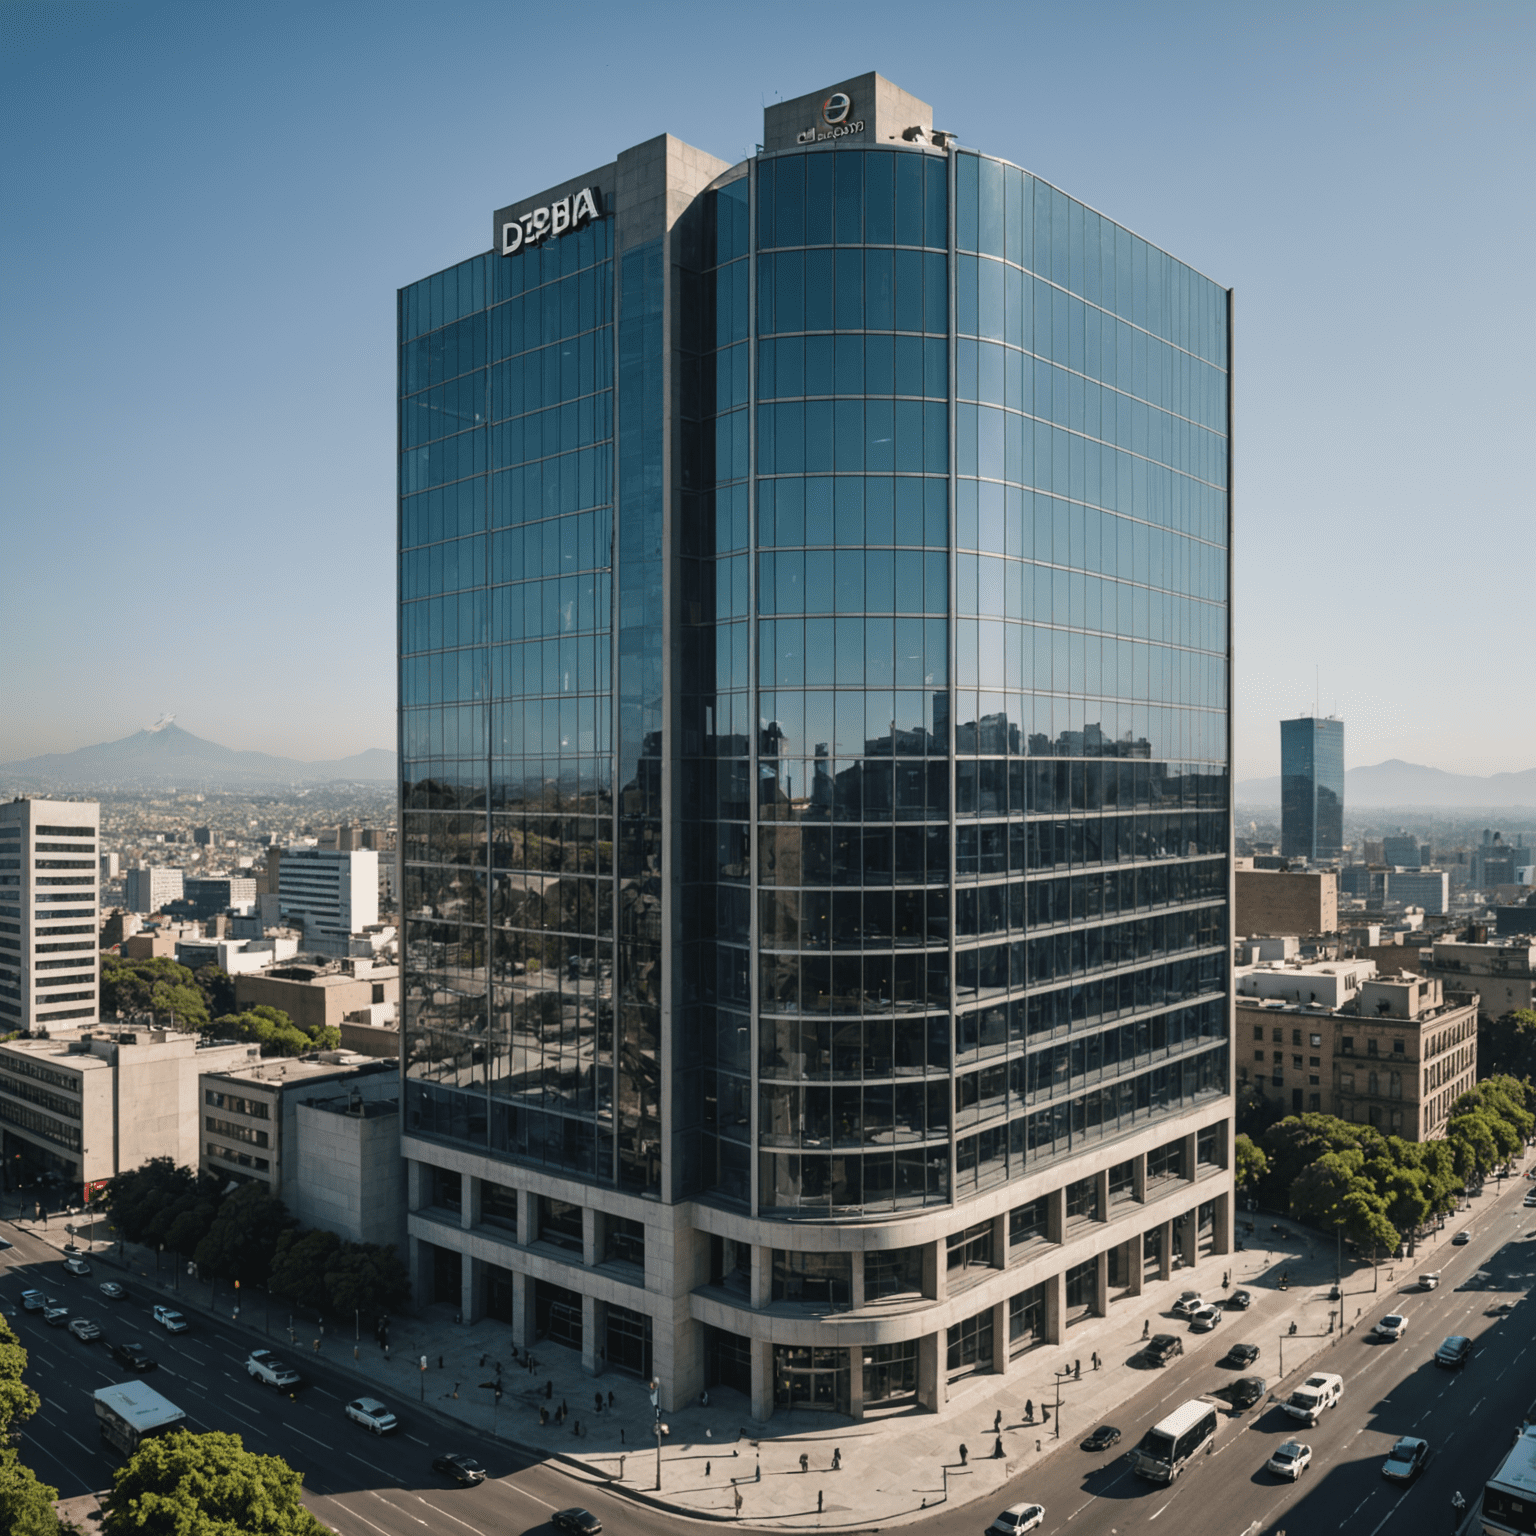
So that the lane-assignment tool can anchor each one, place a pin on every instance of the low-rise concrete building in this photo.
(149, 889)
(90, 1102)
(249, 1128)
(1336, 1039)
(350, 1175)
(1272, 901)
(324, 996)
(1502, 974)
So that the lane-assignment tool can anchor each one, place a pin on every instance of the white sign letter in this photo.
(560, 216)
(511, 238)
(585, 206)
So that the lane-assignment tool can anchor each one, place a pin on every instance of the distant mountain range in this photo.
(1395, 782)
(167, 755)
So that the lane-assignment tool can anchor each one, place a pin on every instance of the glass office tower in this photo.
(1312, 787)
(815, 816)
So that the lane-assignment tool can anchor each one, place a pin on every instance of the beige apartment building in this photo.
(1337, 1039)
(1282, 902)
(88, 1103)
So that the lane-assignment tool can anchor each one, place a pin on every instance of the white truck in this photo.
(129, 1413)
(1315, 1394)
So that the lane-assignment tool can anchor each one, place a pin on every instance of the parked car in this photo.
(1456, 1351)
(1102, 1438)
(132, 1355)
(263, 1365)
(1242, 1354)
(372, 1414)
(84, 1329)
(1462, 1238)
(578, 1522)
(1161, 1348)
(1189, 1303)
(1246, 1391)
(111, 1290)
(1406, 1459)
(170, 1319)
(1018, 1518)
(1204, 1319)
(1290, 1459)
(1393, 1326)
(1239, 1299)
(76, 1266)
(464, 1470)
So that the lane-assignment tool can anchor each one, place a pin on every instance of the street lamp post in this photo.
(656, 1408)
(1060, 1377)
(1282, 1357)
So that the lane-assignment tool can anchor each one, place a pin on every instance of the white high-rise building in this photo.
(333, 895)
(48, 916)
(149, 889)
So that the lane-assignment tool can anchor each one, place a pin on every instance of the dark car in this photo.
(1406, 1459)
(1242, 1354)
(1102, 1438)
(1461, 1239)
(1242, 1300)
(1456, 1350)
(132, 1355)
(1246, 1391)
(1162, 1347)
(464, 1470)
(578, 1522)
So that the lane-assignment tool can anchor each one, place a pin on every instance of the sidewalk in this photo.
(894, 1466)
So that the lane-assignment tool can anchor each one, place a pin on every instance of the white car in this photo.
(76, 1266)
(1189, 1303)
(265, 1366)
(84, 1329)
(1290, 1460)
(170, 1319)
(1017, 1518)
(1427, 1282)
(1393, 1326)
(1203, 1319)
(372, 1414)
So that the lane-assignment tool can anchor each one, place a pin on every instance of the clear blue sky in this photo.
(207, 209)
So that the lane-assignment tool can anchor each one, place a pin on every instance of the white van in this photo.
(1315, 1394)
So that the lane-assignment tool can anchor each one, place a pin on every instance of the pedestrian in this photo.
(610, 1399)
(1077, 1370)
(837, 1459)
(758, 1475)
(805, 1462)
(997, 1449)
(964, 1454)
(597, 1397)
(707, 1466)
(818, 1501)
(317, 1346)
(1095, 1359)
(1146, 1328)
(1029, 1410)
(703, 1399)
(576, 1429)
(621, 1469)
(738, 1503)
(543, 1417)
(482, 1362)
(563, 1408)
(1226, 1279)
(549, 1390)
(1045, 1414)
(386, 1354)
(997, 1421)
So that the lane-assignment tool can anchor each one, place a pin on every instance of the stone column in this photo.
(1190, 1248)
(589, 1236)
(420, 1259)
(1000, 1241)
(762, 1279)
(935, 1271)
(527, 1216)
(1139, 1177)
(1000, 1338)
(469, 1207)
(469, 1288)
(1221, 1234)
(857, 1288)
(1165, 1252)
(762, 1378)
(1055, 1307)
(931, 1383)
(1102, 1180)
(524, 1323)
(1056, 1214)
(856, 1381)
(592, 1330)
(1101, 1285)
(1136, 1263)
(1189, 1157)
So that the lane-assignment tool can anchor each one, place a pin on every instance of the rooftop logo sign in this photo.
(835, 124)
(545, 223)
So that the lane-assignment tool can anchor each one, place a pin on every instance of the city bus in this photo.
(1166, 1448)
(1509, 1500)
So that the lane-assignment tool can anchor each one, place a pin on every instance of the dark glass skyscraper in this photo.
(814, 734)
(1312, 787)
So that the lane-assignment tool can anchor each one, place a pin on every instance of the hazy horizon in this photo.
(210, 210)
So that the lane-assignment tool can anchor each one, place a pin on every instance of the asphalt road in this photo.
(361, 1484)
(1469, 1416)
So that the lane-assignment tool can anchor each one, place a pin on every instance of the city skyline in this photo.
(279, 229)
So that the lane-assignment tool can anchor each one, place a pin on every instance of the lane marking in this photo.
(321, 1443)
(380, 1470)
(413, 1438)
(465, 1523)
(356, 1514)
(408, 1515)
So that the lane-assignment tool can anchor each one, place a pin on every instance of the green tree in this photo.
(275, 1032)
(1365, 1221)
(367, 1277)
(17, 1400)
(243, 1236)
(217, 987)
(299, 1267)
(183, 1002)
(1508, 1045)
(186, 1484)
(26, 1505)
(159, 1203)
(128, 986)
(1251, 1163)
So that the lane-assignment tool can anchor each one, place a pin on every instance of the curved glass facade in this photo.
(815, 806)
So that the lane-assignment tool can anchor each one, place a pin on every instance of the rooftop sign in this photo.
(545, 223)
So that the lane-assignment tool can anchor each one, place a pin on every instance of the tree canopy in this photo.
(158, 1203)
(274, 1031)
(185, 1484)
(26, 1505)
(157, 986)
(243, 1236)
